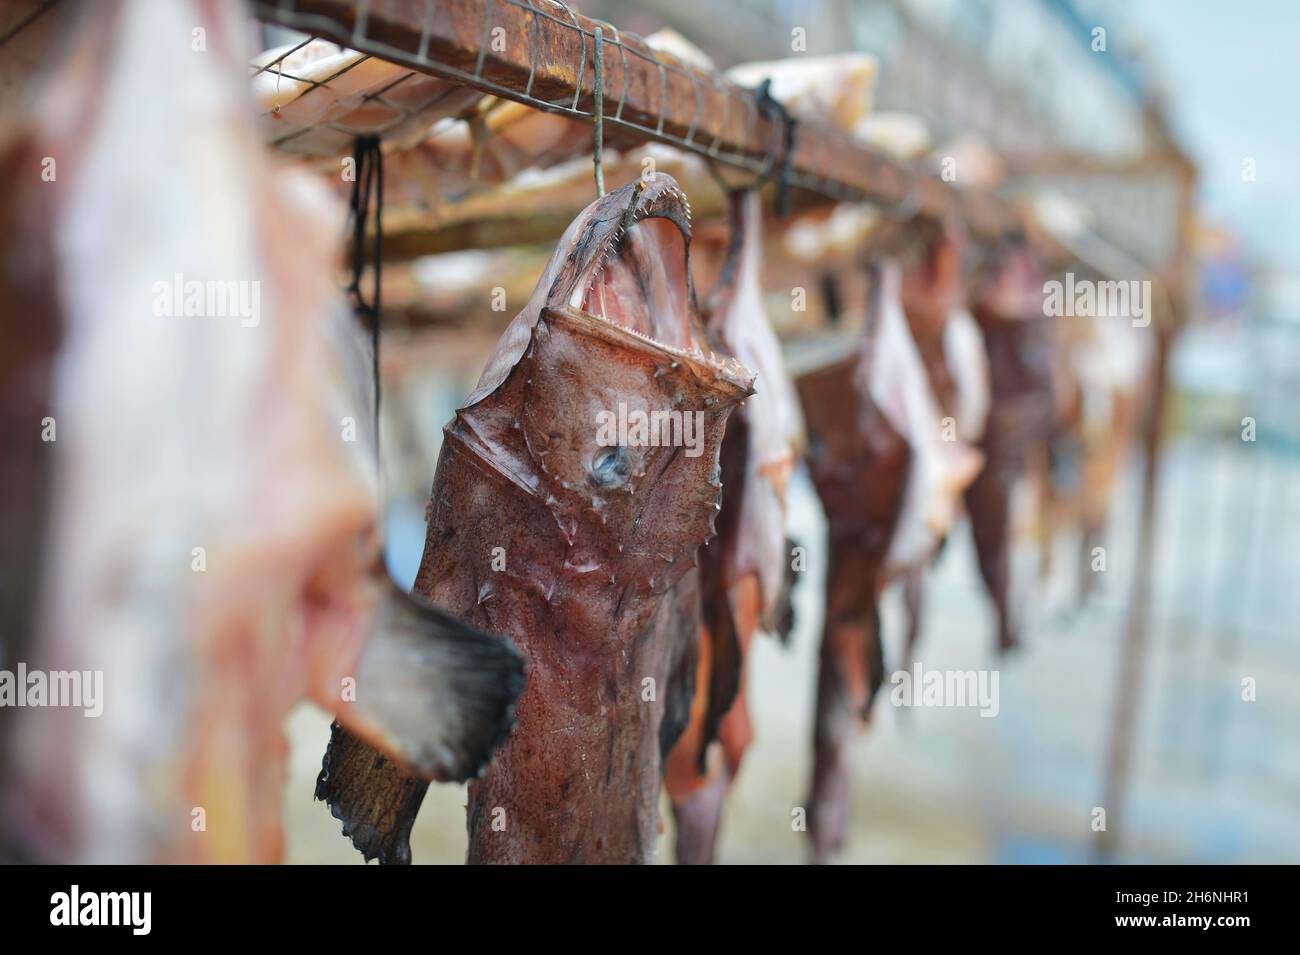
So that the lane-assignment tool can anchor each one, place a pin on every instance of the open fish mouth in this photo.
(630, 268)
(638, 277)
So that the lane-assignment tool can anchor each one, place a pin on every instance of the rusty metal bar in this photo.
(541, 53)
(1122, 740)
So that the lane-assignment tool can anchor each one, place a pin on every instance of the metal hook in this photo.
(367, 194)
(720, 182)
(771, 107)
(598, 157)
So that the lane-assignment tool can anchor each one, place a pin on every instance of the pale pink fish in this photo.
(772, 415)
(964, 353)
(941, 469)
(213, 544)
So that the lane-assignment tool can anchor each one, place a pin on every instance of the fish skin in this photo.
(1018, 339)
(434, 699)
(951, 351)
(185, 431)
(598, 586)
(860, 465)
(891, 488)
(941, 470)
(934, 293)
(436, 696)
(966, 357)
(774, 421)
(744, 569)
(648, 588)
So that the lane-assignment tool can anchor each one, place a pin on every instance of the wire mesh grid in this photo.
(627, 48)
(334, 103)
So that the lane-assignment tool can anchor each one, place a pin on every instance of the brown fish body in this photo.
(602, 586)
(1020, 360)
(950, 348)
(860, 466)
(890, 478)
(930, 291)
(596, 613)
(582, 550)
(1017, 337)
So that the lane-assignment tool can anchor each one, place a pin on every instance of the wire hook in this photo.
(599, 110)
(771, 107)
(722, 183)
(367, 194)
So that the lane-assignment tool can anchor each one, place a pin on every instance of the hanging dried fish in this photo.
(572, 494)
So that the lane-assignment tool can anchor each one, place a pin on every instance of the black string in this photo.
(770, 106)
(831, 297)
(875, 297)
(368, 168)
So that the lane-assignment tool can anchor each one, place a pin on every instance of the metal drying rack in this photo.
(545, 55)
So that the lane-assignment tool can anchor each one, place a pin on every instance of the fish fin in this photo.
(874, 648)
(682, 669)
(781, 618)
(677, 704)
(435, 697)
(374, 799)
(432, 692)
(716, 611)
(724, 674)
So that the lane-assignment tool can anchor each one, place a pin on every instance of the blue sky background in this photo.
(1232, 69)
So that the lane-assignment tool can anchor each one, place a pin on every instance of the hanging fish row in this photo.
(206, 524)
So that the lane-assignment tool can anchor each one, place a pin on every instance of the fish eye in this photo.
(611, 467)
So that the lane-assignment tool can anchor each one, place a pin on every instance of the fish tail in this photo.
(781, 619)
(875, 653)
(434, 698)
(727, 653)
(371, 795)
